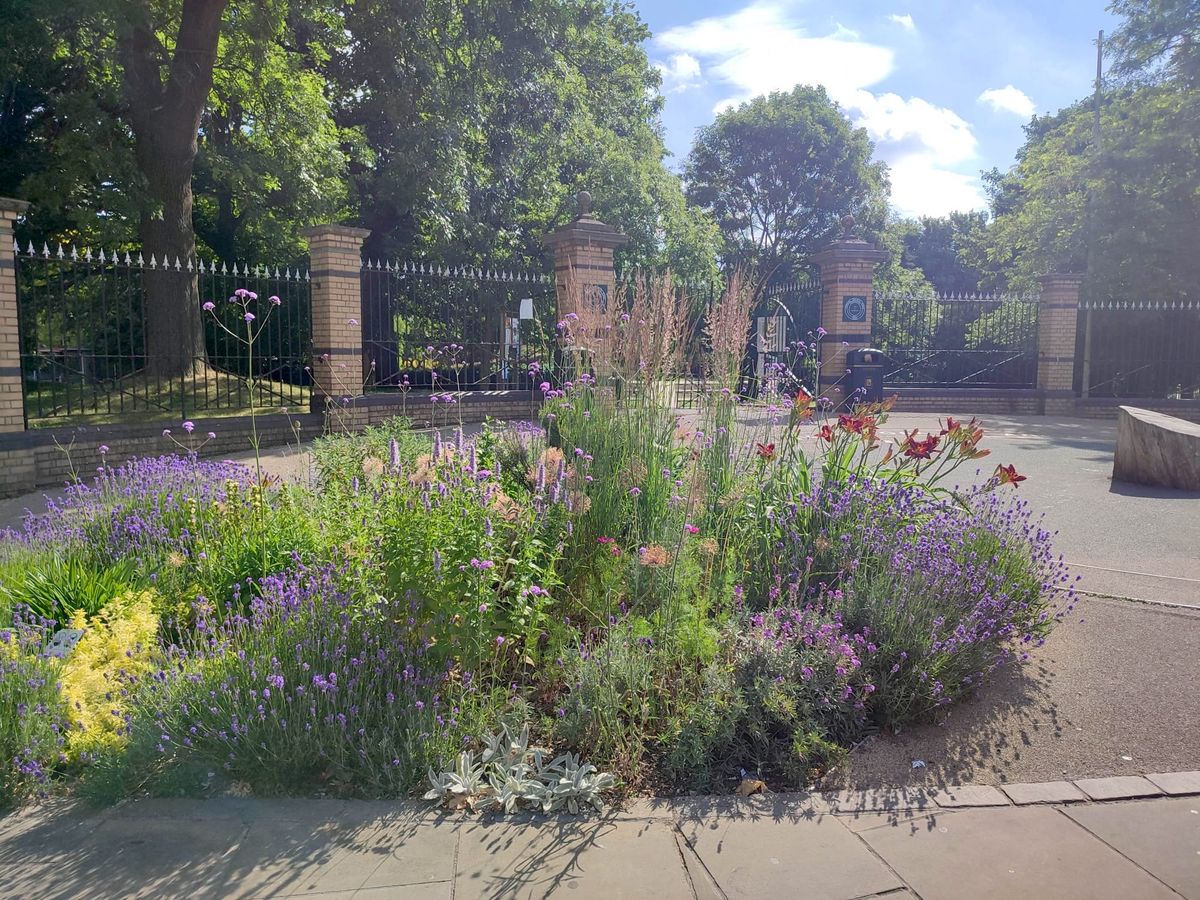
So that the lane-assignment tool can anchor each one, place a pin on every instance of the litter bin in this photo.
(866, 374)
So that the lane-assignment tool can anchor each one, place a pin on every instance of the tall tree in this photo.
(166, 86)
(1158, 40)
(937, 246)
(778, 174)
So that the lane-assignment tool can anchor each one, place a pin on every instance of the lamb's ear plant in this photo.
(509, 776)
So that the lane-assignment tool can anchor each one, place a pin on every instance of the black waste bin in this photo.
(866, 375)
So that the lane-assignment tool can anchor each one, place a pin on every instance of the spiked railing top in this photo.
(135, 259)
(418, 268)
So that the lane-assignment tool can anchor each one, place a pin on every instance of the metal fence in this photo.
(438, 328)
(1145, 348)
(85, 353)
(969, 340)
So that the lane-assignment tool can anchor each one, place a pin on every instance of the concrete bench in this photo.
(1156, 449)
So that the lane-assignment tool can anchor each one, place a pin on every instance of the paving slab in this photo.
(999, 854)
(1176, 783)
(811, 858)
(963, 795)
(125, 857)
(562, 857)
(873, 800)
(1161, 836)
(1043, 792)
(281, 858)
(1118, 787)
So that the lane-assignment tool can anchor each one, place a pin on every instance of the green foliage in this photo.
(54, 586)
(1121, 212)
(32, 720)
(778, 173)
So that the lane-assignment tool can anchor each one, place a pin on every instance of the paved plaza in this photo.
(1111, 694)
(942, 845)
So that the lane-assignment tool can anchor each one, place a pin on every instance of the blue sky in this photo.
(943, 87)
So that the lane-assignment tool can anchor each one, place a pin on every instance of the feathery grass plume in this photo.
(727, 325)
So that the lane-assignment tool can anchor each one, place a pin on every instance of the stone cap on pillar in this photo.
(1061, 279)
(585, 229)
(349, 231)
(849, 245)
(12, 207)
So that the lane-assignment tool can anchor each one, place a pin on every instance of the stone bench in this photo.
(1156, 449)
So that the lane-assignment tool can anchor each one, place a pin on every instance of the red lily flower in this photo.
(826, 433)
(766, 451)
(1008, 475)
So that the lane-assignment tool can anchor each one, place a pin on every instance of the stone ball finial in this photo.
(583, 203)
(847, 226)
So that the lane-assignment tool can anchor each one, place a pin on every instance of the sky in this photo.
(942, 87)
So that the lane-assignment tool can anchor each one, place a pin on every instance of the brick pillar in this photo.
(1058, 315)
(583, 250)
(12, 399)
(847, 279)
(335, 267)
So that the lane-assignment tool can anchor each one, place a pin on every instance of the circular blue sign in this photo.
(854, 309)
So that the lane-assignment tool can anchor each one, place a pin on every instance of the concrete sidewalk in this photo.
(974, 842)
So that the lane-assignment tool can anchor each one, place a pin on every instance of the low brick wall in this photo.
(46, 457)
(1106, 407)
(973, 401)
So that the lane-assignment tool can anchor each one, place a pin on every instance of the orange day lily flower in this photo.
(1008, 475)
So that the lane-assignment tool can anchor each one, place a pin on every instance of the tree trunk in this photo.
(165, 116)
(173, 325)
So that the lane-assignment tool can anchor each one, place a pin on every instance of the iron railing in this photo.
(1138, 348)
(958, 340)
(85, 353)
(465, 328)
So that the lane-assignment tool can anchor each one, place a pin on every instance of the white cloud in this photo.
(761, 48)
(1009, 99)
(905, 21)
(757, 50)
(922, 187)
(680, 72)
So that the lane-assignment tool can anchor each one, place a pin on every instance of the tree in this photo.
(1158, 40)
(937, 246)
(1141, 191)
(485, 118)
(166, 90)
(778, 173)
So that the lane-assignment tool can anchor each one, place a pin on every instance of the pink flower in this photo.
(249, 317)
(275, 301)
(209, 306)
(189, 427)
(691, 529)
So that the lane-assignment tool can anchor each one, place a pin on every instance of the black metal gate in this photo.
(957, 340)
(433, 327)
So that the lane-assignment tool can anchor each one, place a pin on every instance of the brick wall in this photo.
(967, 401)
(46, 457)
(12, 408)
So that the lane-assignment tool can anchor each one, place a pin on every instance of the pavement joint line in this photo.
(681, 843)
(454, 863)
(1097, 837)
(1138, 574)
(1167, 603)
(858, 836)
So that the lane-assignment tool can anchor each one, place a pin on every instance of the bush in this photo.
(32, 725)
(117, 648)
(316, 687)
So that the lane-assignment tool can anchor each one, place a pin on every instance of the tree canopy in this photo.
(455, 130)
(778, 173)
(1124, 209)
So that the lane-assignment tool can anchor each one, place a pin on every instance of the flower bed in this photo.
(679, 603)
